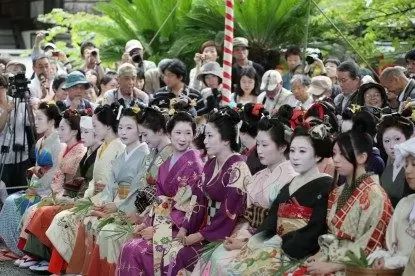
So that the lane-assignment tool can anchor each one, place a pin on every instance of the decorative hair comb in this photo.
(319, 132)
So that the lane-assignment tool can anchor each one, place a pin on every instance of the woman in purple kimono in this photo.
(220, 198)
(154, 248)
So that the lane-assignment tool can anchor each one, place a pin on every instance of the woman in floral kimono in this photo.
(400, 234)
(220, 198)
(358, 211)
(152, 126)
(63, 229)
(154, 246)
(272, 147)
(297, 216)
(47, 151)
(394, 130)
(39, 219)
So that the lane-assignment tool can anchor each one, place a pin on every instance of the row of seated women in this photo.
(155, 201)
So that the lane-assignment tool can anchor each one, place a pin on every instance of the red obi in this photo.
(292, 216)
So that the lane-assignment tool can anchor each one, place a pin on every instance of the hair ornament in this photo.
(355, 108)
(119, 112)
(50, 103)
(319, 132)
(256, 110)
(135, 109)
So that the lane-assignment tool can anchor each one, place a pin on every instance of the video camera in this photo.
(18, 86)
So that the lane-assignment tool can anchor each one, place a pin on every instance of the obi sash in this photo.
(123, 190)
(255, 215)
(213, 207)
(292, 216)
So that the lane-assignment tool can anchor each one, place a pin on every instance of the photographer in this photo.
(134, 54)
(91, 57)
(314, 64)
(14, 138)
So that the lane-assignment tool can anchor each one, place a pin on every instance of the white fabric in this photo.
(401, 152)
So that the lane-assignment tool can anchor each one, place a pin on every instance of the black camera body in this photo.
(18, 86)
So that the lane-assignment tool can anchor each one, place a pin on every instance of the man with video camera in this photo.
(15, 133)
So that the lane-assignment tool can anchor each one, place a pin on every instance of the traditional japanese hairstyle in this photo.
(279, 132)
(133, 112)
(320, 138)
(226, 120)
(181, 117)
(107, 115)
(51, 110)
(152, 118)
(322, 112)
(73, 118)
(250, 115)
(395, 120)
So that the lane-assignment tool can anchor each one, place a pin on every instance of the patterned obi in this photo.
(292, 216)
(123, 189)
(213, 207)
(255, 215)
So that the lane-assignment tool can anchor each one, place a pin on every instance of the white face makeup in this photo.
(65, 132)
(267, 149)
(41, 122)
(302, 154)
(128, 130)
(88, 137)
(392, 137)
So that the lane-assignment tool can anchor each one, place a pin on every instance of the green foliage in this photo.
(356, 261)
(366, 24)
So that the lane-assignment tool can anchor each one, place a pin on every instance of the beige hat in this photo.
(240, 42)
(127, 70)
(270, 80)
(210, 68)
(133, 44)
(319, 85)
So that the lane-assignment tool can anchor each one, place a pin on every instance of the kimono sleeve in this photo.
(196, 216)
(376, 211)
(225, 219)
(45, 181)
(304, 241)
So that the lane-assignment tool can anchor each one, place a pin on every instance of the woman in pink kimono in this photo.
(154, 247)
(272, 146)
(220, 198)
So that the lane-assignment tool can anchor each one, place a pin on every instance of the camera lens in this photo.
(94, 53)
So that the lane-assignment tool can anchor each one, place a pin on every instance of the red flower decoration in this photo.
(89, 111)
(256, 111)
(165, 205)
(150, 180)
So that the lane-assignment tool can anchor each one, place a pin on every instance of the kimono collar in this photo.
(302, 179)
(142, 146)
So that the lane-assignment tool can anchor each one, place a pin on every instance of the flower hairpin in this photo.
(50, 103)
(355, 108)
(256, 111)
(135, 109)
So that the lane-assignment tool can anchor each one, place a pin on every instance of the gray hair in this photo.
(396, 71)
(303, 79)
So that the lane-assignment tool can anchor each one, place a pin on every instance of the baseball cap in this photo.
(133, 44)
(240, 42)
(319, 85)
(270, 80)
(127, 69)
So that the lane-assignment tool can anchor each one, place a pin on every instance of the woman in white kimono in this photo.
(272, 146)
(400, 234)
(118, 199)
(62, 231)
